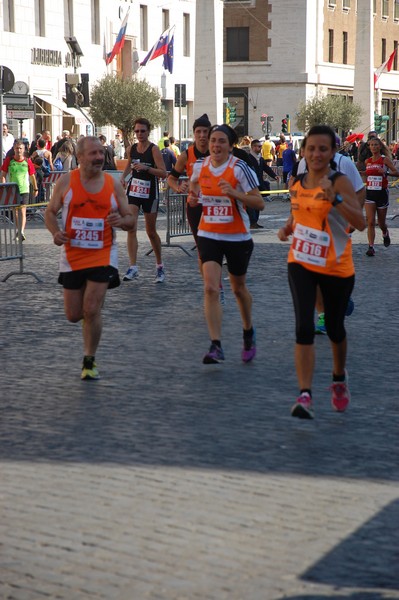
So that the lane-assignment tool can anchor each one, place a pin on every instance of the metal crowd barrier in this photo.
(35, 207)
(176, 219)
(10, 232)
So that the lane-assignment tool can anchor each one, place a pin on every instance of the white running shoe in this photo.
(160, 277)
(131, 273)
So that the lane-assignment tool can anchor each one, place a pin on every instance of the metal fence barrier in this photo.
(176, 219)
(10, 229)
(35, 208)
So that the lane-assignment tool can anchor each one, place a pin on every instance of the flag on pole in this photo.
(386, 66)
(168, 57)
(120, 40)
(159, 49)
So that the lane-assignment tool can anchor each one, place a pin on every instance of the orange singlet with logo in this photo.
(220, 213)
(84, 216)
(319, 241)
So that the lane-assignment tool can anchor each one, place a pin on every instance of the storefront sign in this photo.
(51, 58)
(20, 114)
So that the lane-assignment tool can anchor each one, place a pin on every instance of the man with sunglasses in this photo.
(145, 166)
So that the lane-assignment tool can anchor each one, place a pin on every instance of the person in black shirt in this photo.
(259, 165)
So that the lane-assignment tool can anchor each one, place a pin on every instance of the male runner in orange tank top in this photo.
(92, 204)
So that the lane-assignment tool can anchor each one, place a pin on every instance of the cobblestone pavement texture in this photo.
(171, 480)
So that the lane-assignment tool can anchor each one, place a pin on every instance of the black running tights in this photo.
(336, 292)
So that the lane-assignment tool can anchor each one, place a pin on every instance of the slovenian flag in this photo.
(159, 49)
(120, 41)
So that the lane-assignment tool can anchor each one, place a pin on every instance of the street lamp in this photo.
(75, 49)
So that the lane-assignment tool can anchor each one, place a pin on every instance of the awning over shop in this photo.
(80, 119)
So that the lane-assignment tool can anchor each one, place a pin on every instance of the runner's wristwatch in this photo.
(337, 200)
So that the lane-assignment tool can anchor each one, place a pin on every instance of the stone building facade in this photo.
(33, 47)
(294, 49)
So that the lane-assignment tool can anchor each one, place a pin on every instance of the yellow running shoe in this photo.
(89, 371)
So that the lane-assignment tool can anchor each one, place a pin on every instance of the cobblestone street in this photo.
(172, 480)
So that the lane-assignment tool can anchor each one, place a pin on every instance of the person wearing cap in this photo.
(184, 164)
(226, 185)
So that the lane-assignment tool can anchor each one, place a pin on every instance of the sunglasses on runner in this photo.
(140, 130)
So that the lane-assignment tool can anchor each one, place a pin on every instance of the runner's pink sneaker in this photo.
(340, 394)
(303, 408)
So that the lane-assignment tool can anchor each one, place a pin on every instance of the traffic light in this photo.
(263, 118)
(380, 123)
(269, 120)
(227, 116)
(288, 123)
(233, 114)
(284, 126)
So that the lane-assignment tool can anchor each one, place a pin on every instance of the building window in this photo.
(375, 7)
(237, 39)
(395, 59)
(9, 15)
(143, 28)
(165, 19)
(95, 22)
(345, 47)
(346, 4)
(396, 11)
(385, 9)
(332, 3)
(39, 18)
(68, 18)
(186, 34)
(383, 50)
(331, 45)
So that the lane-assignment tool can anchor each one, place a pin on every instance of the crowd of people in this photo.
(222, 181)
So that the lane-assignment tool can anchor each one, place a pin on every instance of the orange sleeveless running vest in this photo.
(320, 242)
(191, 159)
(84, 216)
(220, 214)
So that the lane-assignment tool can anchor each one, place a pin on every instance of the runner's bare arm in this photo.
(350, 208)
(253, 198)
(55, 204)
(127, 169)
(193, 194)
(179, 167)
(123, 217)
(284, 232)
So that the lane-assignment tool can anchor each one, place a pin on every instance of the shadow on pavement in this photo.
(368, 558)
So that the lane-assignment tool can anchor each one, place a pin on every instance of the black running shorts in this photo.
(74, 280)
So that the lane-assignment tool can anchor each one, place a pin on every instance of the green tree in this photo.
(118, 102)
(336, 111)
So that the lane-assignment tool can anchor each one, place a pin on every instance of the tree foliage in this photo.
(336, 111)
(118, 102)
